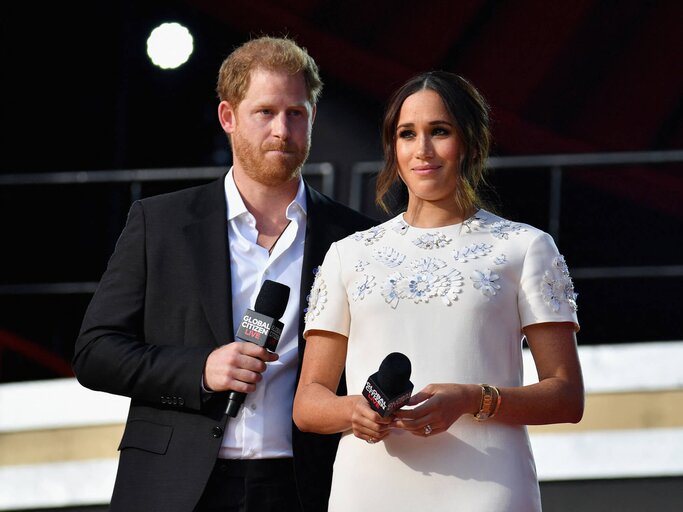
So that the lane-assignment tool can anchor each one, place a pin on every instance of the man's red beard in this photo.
(266, 167)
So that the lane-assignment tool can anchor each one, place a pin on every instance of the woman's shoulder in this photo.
(502, 228)
(370, 236)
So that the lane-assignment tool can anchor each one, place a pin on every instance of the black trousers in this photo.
(251, 486)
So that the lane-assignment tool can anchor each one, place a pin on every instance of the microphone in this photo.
(390, 388)
(262, 327)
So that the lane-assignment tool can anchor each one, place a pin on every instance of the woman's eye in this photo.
(406, 134)
(440, 131)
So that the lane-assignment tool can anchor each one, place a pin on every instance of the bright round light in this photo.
(169, 45)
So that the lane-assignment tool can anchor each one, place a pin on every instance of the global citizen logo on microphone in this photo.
(260, 329)
(381, 403)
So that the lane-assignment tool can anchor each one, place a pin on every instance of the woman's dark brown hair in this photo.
(470, 113)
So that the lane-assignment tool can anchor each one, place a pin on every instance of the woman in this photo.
(455, 288)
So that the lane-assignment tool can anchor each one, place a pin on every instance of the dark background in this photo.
(586, 76)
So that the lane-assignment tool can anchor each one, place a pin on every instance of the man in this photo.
(161, 325)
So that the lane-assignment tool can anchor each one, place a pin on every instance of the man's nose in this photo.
(280, 126)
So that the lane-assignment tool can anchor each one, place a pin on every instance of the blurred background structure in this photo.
(586, 100)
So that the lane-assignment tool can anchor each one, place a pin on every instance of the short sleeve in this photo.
(546, 288)
(328, 306)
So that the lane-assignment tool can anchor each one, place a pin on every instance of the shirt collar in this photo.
(236, 206)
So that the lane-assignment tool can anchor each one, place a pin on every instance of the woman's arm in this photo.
(558, 397)
(316, 406)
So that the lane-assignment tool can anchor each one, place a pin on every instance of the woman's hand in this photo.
(366, 424)
(440, 406)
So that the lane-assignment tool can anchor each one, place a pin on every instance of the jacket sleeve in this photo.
(111, 352)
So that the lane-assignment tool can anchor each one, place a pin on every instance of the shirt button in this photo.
(217, 432)
(253, 407)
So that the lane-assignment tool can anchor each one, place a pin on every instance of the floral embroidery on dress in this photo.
(474, 223)
(432, 241)
(449, 286)
(423, 284)
(363, 287)
(471, 252)
(390, 257)
(419, 287)
(317, 298)
(503, 228)
(401, 227)
(369, 236)
(427, 264)
(360, 265)
(485, 281)
(557, 286)
(389, 291)
(500, 259)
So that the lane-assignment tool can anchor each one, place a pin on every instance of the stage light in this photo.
(169, 45)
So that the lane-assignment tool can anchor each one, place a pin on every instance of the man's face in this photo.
(271, 128)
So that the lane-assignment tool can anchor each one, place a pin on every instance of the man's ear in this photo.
(313, 111)
(226, 116)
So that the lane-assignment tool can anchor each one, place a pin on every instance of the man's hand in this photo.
(236, 366)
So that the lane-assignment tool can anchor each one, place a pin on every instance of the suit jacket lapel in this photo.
(208, 242)
(315, 247)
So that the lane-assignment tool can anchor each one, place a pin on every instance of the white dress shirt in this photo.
(263, 426)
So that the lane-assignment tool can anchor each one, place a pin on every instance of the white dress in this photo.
(453, 299)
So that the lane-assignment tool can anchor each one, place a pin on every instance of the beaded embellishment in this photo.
(471, 252)
(485, 281)
(369, 236)
(317, 298)
(363, 287)
(432, 241)
(360, 265)
(502, 229)
(389, 257)
(557, 286)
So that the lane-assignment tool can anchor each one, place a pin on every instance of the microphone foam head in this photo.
(394, 373)
(272, 299)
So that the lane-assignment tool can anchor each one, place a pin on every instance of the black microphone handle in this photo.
(235, 401)
(271, 303)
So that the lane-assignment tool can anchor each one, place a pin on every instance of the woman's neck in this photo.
(424, 214)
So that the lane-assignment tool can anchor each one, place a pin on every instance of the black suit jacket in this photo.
(162, 306)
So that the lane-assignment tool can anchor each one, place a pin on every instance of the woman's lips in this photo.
(425, 169)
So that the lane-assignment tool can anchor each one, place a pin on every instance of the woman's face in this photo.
(428, 149)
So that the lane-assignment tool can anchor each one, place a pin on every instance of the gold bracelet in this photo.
(498, 400)
(490, 402)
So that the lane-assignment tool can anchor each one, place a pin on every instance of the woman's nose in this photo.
(424, 148)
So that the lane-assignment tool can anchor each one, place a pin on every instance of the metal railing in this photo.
(360, 188)
(555, 164)
(136, 177)
(325, 171)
